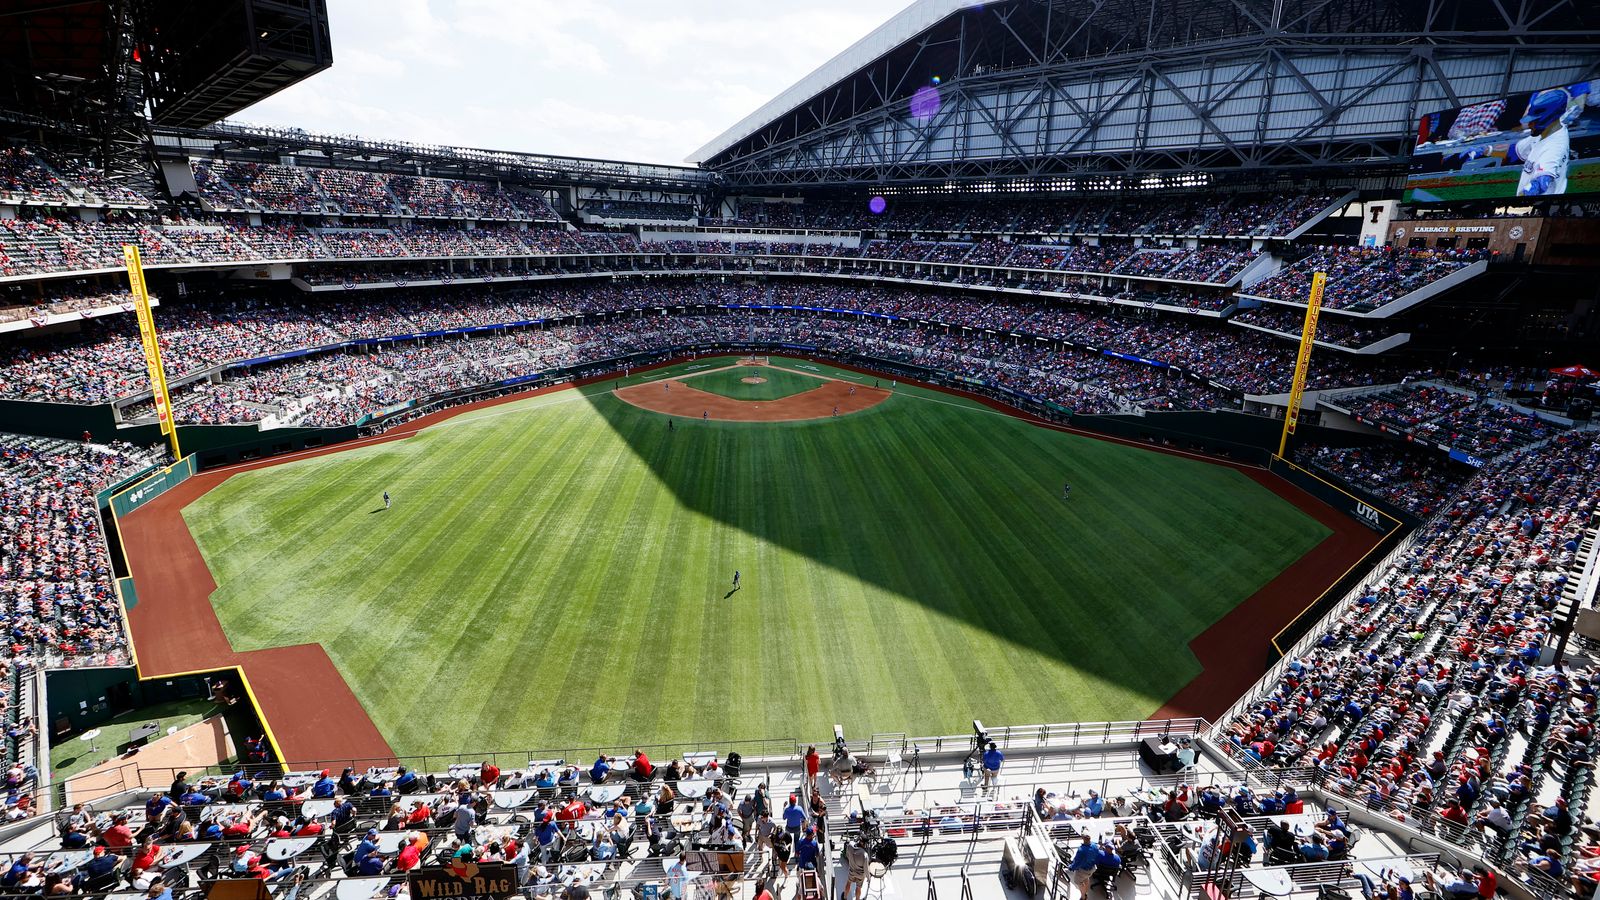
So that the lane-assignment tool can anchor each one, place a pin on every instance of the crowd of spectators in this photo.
(1427, 696)
(1397, 473)
(57, 602)
(1178, 215)
(1341, 330)
(1363, 278)
(103, 361)
(1458, 418)
(263, 187)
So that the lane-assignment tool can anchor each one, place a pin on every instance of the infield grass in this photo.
(778, 383)
(555, 572)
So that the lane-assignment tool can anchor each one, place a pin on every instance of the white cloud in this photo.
(622, 79)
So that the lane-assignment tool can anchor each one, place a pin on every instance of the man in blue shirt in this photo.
(344, 816)
(1094, 806)
(382, 790)
(194, 798)
(367, 847)
(1082, 866)
(406, 782)
(155, 806)
(806, 850)
(992, 758)
(548, 835)
(600, 771)
(1315, 851)
(325, 787)
(373, 864)
(794, 818)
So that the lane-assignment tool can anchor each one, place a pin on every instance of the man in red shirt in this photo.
(410, 855)
(119, 836)
(489, 774)
(642, 769)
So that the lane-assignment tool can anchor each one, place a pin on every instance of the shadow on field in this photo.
(968, 532)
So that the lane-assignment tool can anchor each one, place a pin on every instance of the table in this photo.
(285, 849)
(358, 888)
(511, 799)
(183, 854)
(314, 809)
(687, 822)
(1270, 881)
(699, 758)
(1397, 868)
(70, 861)
(607, 793)
(145, 732)
(466, 770)
(389, 842)
(1150, 797)
(694, 788)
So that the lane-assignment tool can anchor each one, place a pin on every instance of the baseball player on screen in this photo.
(1544, 153)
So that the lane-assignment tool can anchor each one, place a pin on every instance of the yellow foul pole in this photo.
(1308, 339)
(152, 347)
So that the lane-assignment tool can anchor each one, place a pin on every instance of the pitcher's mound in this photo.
(753, 379)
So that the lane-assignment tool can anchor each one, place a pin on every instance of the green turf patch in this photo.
(556, 572)
(776, 383)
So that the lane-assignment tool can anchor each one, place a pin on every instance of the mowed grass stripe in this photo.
(553, 573)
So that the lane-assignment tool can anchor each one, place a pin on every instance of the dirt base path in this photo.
(830, 398)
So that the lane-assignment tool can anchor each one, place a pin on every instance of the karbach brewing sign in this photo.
(463, 880)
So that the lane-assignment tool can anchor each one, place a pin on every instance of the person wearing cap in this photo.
(1557, 818)
(1081, 869)
(101, 864)
(119, 836)
(1095, 806)
(855, 864)
(806, 850)
(794, 818)
(243, 860)
(372, 864)
(324, 787)
(367, 846)
(992, 760)
(405, 781)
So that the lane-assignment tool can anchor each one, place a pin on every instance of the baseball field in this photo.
(557, 571)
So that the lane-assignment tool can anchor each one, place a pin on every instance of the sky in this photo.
(636, 80)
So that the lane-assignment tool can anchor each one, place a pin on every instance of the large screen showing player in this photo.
(1539, 144)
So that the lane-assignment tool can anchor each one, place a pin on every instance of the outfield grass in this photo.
(555, 572)
(779, 383)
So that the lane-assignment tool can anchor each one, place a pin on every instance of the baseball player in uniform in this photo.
(1545, 152)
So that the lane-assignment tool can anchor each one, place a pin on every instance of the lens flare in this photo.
(877, 205)
(925, 102)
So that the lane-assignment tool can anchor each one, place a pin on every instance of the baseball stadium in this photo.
(1092, 448)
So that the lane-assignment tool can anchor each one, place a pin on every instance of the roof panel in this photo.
(906, 24)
